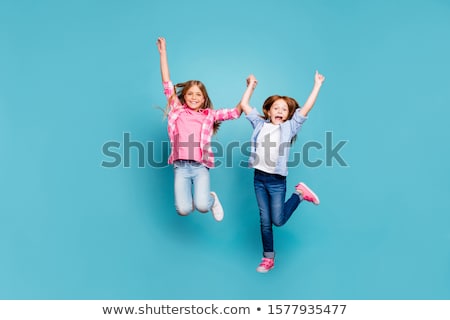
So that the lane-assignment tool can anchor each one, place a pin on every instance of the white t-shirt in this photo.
(267, 148)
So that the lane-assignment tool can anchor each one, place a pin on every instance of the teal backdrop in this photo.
(80, 89)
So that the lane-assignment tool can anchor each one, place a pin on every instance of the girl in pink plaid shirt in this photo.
(191, 123)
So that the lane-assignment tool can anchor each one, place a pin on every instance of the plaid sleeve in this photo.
(226, 114)
(168, 88)
(169, 91)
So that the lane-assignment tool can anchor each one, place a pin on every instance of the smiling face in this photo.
(194, 98)
(278, 112)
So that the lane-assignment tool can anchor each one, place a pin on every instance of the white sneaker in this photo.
(217, 209)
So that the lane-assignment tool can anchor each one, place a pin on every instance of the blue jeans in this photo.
(188, 173)
(270, 192)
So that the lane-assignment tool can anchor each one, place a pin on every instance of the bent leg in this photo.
(203, 200)
(183, 191)
(281, 210)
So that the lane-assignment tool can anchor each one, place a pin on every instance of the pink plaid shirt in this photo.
(207, 127)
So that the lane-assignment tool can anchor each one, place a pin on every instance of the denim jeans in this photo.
(270, 192)
(188, 173)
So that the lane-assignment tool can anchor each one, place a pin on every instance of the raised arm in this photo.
(245, 101)
(309, 104)
(161, 44)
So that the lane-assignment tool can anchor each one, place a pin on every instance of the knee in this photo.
(184, 210)
(203, 208)
(202, 204)
(277, 223)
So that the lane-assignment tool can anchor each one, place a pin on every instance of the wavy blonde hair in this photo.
(180, 90)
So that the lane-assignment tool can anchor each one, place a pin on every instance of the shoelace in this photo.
(267, 263)
(306, 195)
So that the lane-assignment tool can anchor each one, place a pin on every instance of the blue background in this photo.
(75, 75)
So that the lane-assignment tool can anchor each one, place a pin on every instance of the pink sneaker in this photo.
(265, 265)
(307, 193)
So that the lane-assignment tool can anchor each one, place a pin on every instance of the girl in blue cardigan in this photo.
(271, 139)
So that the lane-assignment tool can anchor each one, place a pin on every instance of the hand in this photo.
(251, 80)
(319, 78)
(161, 44)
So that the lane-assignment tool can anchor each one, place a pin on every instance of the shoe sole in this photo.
(312, 192)
(219, 204)
(264, 271)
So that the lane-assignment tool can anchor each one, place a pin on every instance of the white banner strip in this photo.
(224, 309)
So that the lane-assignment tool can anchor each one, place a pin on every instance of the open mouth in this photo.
(278, 118)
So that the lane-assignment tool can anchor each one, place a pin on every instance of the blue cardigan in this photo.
(289, 129)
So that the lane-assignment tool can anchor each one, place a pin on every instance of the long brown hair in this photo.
(291, 103)
(181, 90)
